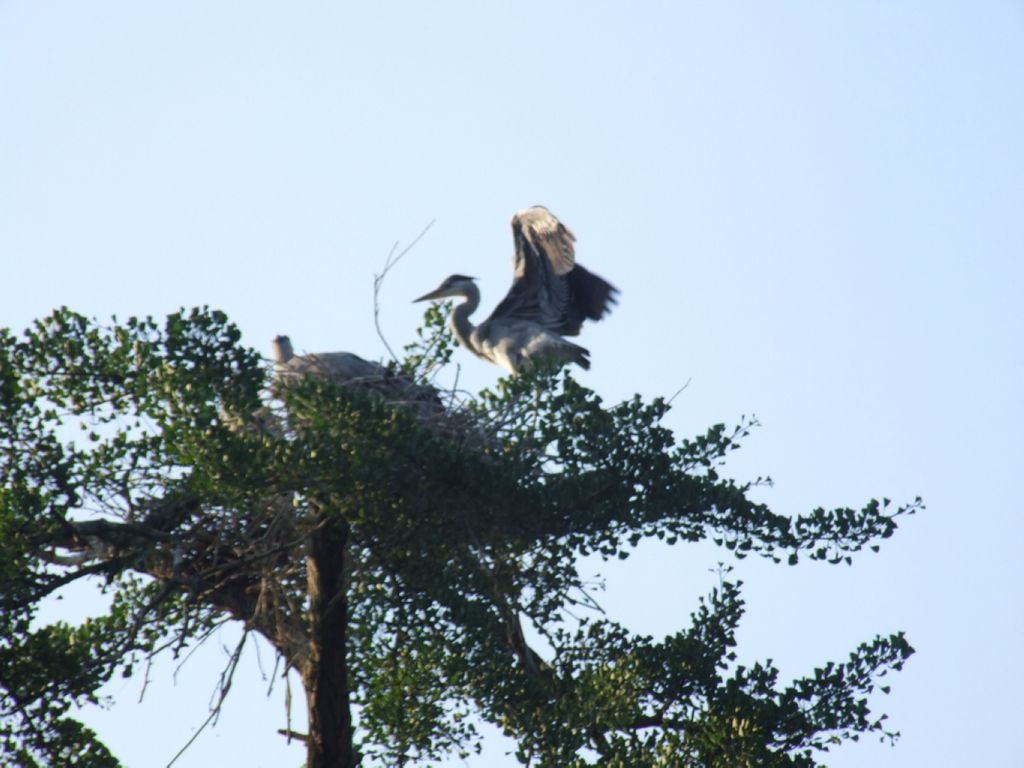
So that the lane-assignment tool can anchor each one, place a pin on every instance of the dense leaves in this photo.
(160, 462)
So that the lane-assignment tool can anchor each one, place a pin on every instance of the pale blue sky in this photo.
(814, 211)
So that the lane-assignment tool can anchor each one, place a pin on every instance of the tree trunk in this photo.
(329, 742)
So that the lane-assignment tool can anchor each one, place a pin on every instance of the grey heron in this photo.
(343, 366)
(550, 297)
(351, 370)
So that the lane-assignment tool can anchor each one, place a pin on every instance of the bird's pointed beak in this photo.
(450, 287)
(437, 293)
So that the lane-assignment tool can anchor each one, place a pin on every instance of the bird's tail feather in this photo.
(580, 356)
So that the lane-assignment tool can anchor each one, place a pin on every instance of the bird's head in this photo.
(282, 349)
(456, 285)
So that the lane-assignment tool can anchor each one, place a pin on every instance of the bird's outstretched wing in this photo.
(548, 287)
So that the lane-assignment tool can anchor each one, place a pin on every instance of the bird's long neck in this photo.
(461, 326)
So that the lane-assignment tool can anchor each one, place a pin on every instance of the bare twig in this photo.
(378, 281)
(288, 698)
(222, 691)
(678, 392)
(145, 678)
(202, 637)
(278, 656)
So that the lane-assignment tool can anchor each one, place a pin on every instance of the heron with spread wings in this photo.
(550, 297)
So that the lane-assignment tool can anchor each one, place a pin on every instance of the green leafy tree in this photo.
(391, 547)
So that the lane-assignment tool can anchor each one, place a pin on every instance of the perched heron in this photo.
(550, 297)
(343, 366)
(351, 370)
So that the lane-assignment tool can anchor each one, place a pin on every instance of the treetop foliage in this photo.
(160, 461)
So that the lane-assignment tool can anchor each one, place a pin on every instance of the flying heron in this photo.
(550, 297)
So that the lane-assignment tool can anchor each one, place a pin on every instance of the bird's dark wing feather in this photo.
(590, 298)
(548, 287)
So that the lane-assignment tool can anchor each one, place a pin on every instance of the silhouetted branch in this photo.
(378, 280)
